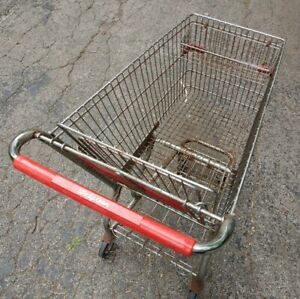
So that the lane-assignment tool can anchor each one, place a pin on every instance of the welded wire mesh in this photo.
(161, 119)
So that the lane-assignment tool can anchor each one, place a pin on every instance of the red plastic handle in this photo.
(146, 226)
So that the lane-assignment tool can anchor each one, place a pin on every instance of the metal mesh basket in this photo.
(177, 126)
(191, 101)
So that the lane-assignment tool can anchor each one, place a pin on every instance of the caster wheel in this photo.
(104, 249)
(192, 295)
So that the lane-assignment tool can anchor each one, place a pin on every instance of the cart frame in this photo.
(128, 166)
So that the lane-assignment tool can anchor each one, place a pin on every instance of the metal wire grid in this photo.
(233, 43)
(209, 172)
(170, 178)
(171, 217)
(123, 113)
(202, 81)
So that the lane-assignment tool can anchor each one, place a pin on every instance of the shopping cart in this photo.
(172, 135)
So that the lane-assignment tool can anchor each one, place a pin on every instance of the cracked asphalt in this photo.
(55, 54)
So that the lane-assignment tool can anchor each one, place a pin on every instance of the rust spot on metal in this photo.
(268, 43)
(228, 153)
(192, 48)
(265, 69)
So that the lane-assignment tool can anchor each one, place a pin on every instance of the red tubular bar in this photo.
(168, 237)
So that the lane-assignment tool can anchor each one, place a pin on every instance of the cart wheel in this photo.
(192, 295)
(105, 249)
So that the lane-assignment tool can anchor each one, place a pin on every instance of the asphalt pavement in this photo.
(54, 55)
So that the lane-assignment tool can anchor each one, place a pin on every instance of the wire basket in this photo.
(191, 100)
(173, 134)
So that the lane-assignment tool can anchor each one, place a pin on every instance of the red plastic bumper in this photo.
(146, 226)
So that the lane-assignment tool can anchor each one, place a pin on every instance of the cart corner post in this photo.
(223, 234)
(16, 144)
